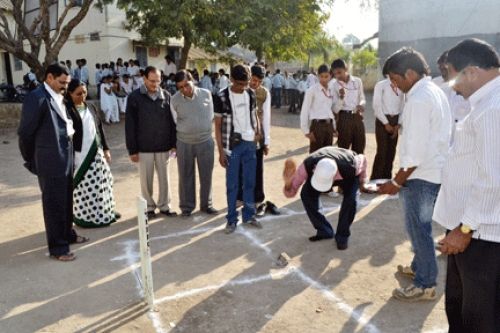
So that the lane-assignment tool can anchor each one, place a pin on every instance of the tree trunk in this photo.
(185, 53)
(259, 53)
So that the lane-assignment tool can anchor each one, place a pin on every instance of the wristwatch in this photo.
(465, 229)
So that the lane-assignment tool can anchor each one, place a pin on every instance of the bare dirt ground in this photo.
(204, 280)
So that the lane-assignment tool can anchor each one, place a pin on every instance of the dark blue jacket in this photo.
(43, 139)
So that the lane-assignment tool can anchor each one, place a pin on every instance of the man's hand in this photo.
(389, 129)
(388, 188)
(134, 158)
(266, 150)
(107, 156)
(223, 160)
(360, 109)
(396, 132)
(455, 242)
(365, 189)
(311, 137)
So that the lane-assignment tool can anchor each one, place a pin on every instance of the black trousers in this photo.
(57, 201)
(312, 205)
(323, 134)
(351, 131)
(386, 150)
(259, 178)
(473, 289)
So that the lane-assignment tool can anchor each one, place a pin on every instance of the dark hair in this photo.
(240, 73)
(73, 84)
(385, 71)
(258, 71)
(56, 70)
(222, 71)
(98, 65)
(443, 58)
(150, 69)
(167, 57)
(182, 75)
(278, 71)
(404, 59)
(473, 52)
(206, 72)
(339, 63)
(323, 69)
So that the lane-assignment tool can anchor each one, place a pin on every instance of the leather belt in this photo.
(322, 121)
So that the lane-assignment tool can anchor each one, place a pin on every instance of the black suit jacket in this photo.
(43, 138)
(78, 126)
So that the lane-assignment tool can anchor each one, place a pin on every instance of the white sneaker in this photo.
(414, 294)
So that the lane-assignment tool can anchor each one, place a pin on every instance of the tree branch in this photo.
(66, 31)
(60, 21)
(5, 24)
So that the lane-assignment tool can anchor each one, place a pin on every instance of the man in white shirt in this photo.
(426, 131)
(349, 107)
(45, 140)
(266, 83)
(263, 102)
(206, 81)
(316, 116)
(170, 67)
(235, 133)
(388, 102)
(223, 80)
(84, 72)
(468, 202)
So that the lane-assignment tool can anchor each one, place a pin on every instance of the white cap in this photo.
(323, 175)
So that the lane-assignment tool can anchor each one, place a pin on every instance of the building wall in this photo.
(432, 26)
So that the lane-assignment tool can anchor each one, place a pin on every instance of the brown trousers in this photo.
(351, 131)
(386, 150)
(323, 134)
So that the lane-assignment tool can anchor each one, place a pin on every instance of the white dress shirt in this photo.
(266, 118)
(241, 111)
(61, 109)
(387, 100)
(470, 192)
(426, 131)
(223, 82)
(354, 94)
(266, 82)
(169, 69)
(317, 104)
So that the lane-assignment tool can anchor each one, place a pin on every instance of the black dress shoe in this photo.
(210, 211)
(151, 214)
(186, 214)
(342, 246)
(168, 213)
(261, 210)
(319, 237)
(118, 215)
(272, 209)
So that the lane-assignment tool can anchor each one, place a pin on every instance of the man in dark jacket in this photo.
(45, 140)
(151, 136)
(320, 171)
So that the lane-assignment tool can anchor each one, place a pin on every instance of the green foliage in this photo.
(364, 59)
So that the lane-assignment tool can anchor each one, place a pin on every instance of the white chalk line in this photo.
(347, 309)
(131, 257)
(228, 283)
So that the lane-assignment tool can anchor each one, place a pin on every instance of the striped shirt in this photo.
(470, 191)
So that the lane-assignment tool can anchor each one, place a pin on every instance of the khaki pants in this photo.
(148, 162)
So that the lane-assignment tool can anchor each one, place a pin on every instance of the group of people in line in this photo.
(448, 164)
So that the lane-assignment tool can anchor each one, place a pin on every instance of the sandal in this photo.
(80, 240)
(64, 257)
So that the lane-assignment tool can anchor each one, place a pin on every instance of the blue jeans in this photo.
(242, 157)
(418, 198)
(311, 202)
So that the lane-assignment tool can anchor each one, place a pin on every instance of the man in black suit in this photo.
(45, 135)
